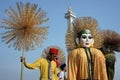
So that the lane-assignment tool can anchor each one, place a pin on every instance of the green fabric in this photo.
(110, 72)
(90, 64)
(110, 64)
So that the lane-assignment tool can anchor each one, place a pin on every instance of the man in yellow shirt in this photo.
(47, 66)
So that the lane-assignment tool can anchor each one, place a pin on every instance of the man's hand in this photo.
(22, 59)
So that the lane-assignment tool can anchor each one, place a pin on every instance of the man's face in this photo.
(86, 40)
(65, 69)
(53, 56)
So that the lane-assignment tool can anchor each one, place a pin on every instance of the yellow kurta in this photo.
(78, 65)
(43, 64)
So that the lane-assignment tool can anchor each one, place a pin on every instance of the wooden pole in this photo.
(22, 65)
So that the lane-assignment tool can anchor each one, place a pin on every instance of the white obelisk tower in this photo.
(70, 18)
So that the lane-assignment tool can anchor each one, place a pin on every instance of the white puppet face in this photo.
(86, 40)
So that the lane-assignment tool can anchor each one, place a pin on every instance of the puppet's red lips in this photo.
(87, 43)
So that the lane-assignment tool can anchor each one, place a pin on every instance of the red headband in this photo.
(53, 51)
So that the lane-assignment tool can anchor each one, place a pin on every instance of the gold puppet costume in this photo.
(78, 66)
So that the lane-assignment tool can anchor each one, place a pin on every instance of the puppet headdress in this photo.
(79, 25)
(111, 40)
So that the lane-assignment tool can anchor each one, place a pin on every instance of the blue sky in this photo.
(106, 12)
